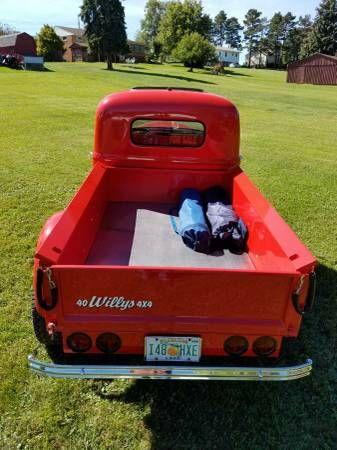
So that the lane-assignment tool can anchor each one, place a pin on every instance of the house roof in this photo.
(136, 42)
(227, 49)
(313, 56)
(78, 44)
(8, 40)
(74, 31)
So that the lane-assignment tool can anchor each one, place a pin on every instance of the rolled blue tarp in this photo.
(193, 226)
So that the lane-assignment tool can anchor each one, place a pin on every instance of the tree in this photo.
(6, 29)
(232, 33)
(295, 38)
(105, 28)
(323, 35)
(282, 39)
(179, 19)
(154, 11)
(226, 30)
(49, 45)
(219, 28)
(274, 37)
(262, 48)
(252, 30)
(194, 50)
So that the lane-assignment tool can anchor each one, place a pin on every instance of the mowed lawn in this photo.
(289, 144)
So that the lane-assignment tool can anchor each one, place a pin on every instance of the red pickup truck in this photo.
(118, 295)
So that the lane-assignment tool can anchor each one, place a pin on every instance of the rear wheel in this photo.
(53, 343)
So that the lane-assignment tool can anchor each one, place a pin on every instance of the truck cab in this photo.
(113, 283)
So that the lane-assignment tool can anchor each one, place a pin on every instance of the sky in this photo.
(30, 15)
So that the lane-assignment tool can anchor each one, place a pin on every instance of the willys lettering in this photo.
(120, 303)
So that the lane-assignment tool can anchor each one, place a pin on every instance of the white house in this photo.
(228, 56)
(260, 60)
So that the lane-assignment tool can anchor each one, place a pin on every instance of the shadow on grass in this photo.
(136, 67)
(226, 72)
(163, 75)
(238, 415)
(46, 69)
(236, 74)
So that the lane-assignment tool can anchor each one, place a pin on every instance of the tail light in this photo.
(108, 342)
(236, 345)
(79, 342)
(264, 345)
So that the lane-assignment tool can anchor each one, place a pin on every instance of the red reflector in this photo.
(108, 342)
(264, 345)
(79, 342)
(236, 345)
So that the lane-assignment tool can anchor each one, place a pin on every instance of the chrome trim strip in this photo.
(171, 372)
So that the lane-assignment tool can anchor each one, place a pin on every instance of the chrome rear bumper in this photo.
(171, 372)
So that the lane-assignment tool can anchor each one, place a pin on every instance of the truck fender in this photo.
(48, 227)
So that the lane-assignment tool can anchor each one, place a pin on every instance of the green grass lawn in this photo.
(289, 144)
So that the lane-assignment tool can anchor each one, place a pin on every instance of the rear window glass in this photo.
(167, 133)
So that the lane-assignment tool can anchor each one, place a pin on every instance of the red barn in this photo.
(19, 44)
(316, 69)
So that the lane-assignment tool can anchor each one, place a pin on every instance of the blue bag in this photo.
(193, 226)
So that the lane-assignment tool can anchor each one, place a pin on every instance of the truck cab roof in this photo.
(167, 128)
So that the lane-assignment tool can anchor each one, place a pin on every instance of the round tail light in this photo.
(264, 345)
(108, 342)
(236, 345)
(79, 342)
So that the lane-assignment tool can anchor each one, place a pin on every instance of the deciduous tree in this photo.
(105, 28)
(182, 18)
(194, 50)
(6, 29)
(154, 11)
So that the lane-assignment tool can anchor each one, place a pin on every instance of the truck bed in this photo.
(141, 234)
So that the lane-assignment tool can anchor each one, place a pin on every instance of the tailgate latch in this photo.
(310, 300)
(45, 304)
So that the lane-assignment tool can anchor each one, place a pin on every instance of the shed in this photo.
(18, 44)
(316, 69)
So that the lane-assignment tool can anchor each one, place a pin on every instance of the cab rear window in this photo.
(167, 133)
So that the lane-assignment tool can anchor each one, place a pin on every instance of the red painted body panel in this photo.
(211, 303)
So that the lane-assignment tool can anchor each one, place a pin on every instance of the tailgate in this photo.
(175, 300)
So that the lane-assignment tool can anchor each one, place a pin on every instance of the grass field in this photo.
(289, 143)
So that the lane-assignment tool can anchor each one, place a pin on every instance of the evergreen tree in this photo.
(219, 28)
(252, 29)
(262, 47)
(323, 36)
(232, 33)
(295, 38)
(49, 45)
(105, 28)
(274, 38)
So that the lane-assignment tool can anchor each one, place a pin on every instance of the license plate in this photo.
(170, 348)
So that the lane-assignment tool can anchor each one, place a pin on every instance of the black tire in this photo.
(53, 344)
(39, 326)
